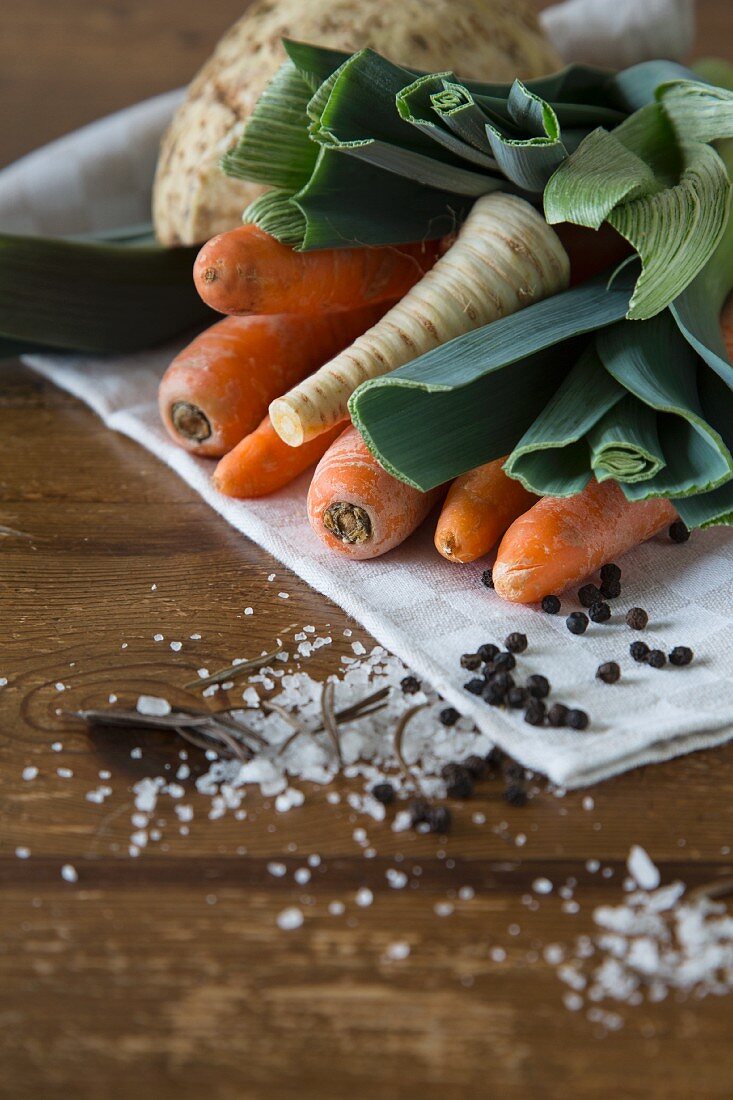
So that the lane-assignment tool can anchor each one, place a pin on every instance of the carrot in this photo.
(478, 509)
(217, 390)
(591, 251)
(356, 507)
(726, 326)
(562, 540)
(261, 463)
(505, 257)
(247, 271)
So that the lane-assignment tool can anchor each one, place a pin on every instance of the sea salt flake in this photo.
(290, 919)
(153, 706)
(641, 868)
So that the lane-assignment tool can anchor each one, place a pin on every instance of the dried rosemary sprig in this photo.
(233, 672)
(205, 729)
(399, 735)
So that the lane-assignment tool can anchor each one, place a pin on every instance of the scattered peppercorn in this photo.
(577, 719)
(678, 532)
(610, 572)
(681, 655)
(516, 643)
(475, 766)
(516, 795)
(551, 605)
(494, 758)
(493, 695)
(384, 793)
(439, 819)
(502, 680)
(609, 672)
(516, 697)
(656, 658)
(410, 685)
(470, 661)
(514, 772)
(459, 783)
(487, 651)
(599, 612)
(637, 618)
(535, 712)
(557, 715)
(611, 589)
(538, 686)
(475, 686)
(640, 652)
(577, 622)
(504, 662)
(449, 716)
(487, 579)
(419, 811)
(588, 595)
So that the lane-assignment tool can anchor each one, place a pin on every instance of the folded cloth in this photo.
(424, 609)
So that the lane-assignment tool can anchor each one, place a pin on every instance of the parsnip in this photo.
(505, 257)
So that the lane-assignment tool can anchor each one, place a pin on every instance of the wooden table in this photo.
(166, 975)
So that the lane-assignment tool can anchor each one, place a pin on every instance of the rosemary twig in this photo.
(720, 888)
(399, 735)
(357, 710)
(232, 672)
(329, 718)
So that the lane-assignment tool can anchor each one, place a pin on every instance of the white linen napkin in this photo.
(424, 609)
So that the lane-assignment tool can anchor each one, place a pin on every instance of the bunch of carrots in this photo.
(265, 390)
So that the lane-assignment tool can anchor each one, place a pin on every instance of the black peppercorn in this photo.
(577, 719)
(459, 783)
(538, 686)
(475, 686)
(502, 680)
(637, 618)
(449, 716)
(611, 589)
(557, 715)
(410, 685)
(516, 697)
(609, 673)
(439, 819)
(470, 661)
(678, 532)
(535, 712)
(656, 658)
(419, 811)
(514, 772)
(493, 695)
(504, 662)
(599, 612)
(487, 651)
(487, 579)
(588, 595)
(551, 605)
(680, 655)
(577, 622)
(494, 758)
(516, 643)
(639, 651)
(475, 766)
(610, 572)
(516, 795)
(384, 793)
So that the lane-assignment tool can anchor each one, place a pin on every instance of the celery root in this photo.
(505, 257)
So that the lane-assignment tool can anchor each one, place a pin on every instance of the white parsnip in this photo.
(505, 257)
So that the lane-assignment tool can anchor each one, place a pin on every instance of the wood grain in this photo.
(166, 975)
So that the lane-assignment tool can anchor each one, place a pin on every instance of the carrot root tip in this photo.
(348, 522)
(190, 421)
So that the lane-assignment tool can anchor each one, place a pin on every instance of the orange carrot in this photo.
(247, 271)
(562, 540)
(217, 390)
(356, 507)
(591, 251)
(261, 464)
(478, 509)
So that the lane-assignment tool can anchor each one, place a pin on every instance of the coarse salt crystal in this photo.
(336, 908)
(302, 876)
(542, 886)
(290, 919)
(153, 706)
(641, 868)
(396, 879)
(60, 687)
(22, 853)
(288, 800)
(364, 897)
(29, 773)
(158, 637)
(443, 909)
(195, 637)
(69, 873)
(277, 870)
(3, 681)
(56, 746)
(397, 951)
(271, 577)
(249, 611)
(64, 773)
(176, 646)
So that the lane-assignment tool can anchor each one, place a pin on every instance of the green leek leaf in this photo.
(625, 443)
